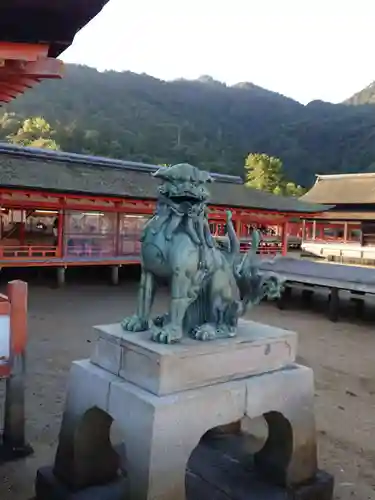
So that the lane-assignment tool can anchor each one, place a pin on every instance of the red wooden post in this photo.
(14, 419)
(346, 232)
(60, 234)
(5, 342)
(22, 227)
(284, 238)
(238, 227)
(117, 234)
(17, 294)
(314, 230)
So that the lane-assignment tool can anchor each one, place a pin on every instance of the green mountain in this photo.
(205, 122)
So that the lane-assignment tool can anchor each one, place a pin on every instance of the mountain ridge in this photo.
(141, 118)
(363, 97)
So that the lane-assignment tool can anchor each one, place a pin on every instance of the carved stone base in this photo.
(164, 399)
(211, 474)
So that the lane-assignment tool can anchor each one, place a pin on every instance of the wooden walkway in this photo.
(309, 276)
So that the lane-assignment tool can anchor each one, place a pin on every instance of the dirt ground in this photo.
(342, 356)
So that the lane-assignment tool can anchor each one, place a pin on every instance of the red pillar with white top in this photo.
(13, 340)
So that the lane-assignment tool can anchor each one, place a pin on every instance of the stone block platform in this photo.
(165, 369)
(164, 399)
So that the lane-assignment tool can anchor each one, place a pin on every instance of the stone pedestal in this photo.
(60, 271)
(115, 275)
(165, 398)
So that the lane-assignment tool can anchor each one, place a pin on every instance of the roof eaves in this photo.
(324, 177)
(94, 161)
(313, 209)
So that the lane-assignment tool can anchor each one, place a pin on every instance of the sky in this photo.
(304, 49)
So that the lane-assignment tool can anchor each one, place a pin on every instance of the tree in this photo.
(34, 132)
(292, 189)
(265, 173)
(9, 124)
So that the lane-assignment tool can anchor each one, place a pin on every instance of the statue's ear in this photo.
(161, 173)
(206, 177)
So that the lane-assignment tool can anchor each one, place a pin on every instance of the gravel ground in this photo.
(341, 354)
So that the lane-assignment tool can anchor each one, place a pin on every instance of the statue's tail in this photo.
(253, 284)
(249, 261)
(234, 242)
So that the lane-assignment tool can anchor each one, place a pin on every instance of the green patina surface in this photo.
(210, 286)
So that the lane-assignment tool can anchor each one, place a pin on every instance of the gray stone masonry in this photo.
(164, 369)
(165, 398)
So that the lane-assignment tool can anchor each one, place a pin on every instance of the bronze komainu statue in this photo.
(210, 287)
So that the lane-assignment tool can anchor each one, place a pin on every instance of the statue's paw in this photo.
(274, 294)
(168, 334)
(204, 332)
(210, 331)
(135, 324)
(274, 287)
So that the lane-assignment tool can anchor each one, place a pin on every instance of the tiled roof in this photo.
(66, 172)
(342, 189)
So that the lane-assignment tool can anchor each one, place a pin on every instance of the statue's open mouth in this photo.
(186, 198)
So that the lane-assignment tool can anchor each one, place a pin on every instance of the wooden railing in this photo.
(27, 252)
(269, 250)
(265, 249)
(79, 251)
(20, 253)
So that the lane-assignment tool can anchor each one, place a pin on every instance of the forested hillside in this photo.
(204, 122)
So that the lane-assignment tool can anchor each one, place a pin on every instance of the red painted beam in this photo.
(18, 75)
(135, 206)
(8, 91)
(22, 51)
(42, 68)
(17, 85)
(5, 98)
(17, 80)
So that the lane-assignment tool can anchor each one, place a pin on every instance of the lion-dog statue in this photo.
(211, 284)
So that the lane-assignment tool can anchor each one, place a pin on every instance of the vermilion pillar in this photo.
(60, 233)
(284, 238)
(14, 444)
